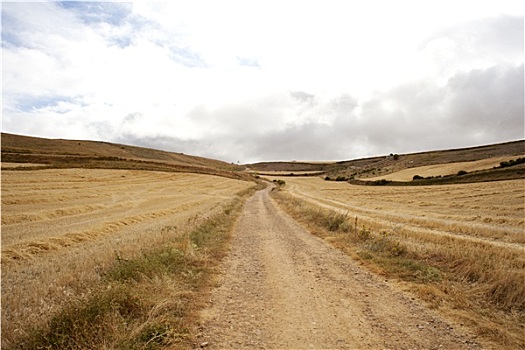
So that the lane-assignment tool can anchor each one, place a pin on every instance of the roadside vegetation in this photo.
(480, 285)
(147, 302)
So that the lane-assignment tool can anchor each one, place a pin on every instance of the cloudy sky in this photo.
(247, 81)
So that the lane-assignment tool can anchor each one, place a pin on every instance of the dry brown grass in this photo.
(461, 247)
(61, 229)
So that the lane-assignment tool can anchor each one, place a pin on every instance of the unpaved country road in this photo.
(283, 288)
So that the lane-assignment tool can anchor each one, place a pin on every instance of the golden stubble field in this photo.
(62, 228)
(491, 213)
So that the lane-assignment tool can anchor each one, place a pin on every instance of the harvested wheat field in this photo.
(491, 213)
(60, 228)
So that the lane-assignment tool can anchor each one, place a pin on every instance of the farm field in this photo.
(62, 227)
(493, 213)
(442, 169)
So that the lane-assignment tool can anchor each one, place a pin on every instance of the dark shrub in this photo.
(381, 182)
(512, 162)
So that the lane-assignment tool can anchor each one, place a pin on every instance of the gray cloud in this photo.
(132, 118)
(487, 104)
(302, 96)
(473, 108)
(103, 129)
(256, 130)
(311, 141)
(481, 106)
(476, 107)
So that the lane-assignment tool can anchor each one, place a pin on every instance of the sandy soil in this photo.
(281, 287)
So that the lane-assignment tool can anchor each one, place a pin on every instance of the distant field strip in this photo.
(491, 213)
(16, 165)
(442, 169)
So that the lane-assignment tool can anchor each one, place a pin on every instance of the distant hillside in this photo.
(70, 153)
(377, 166)
(382, 165)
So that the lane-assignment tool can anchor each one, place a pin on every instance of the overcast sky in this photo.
(266, 80)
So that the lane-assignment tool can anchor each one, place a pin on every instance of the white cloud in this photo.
(251, 81)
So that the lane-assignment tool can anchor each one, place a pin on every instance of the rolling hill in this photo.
(58, 153)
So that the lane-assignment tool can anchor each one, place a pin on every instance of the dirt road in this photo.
(281, 287)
